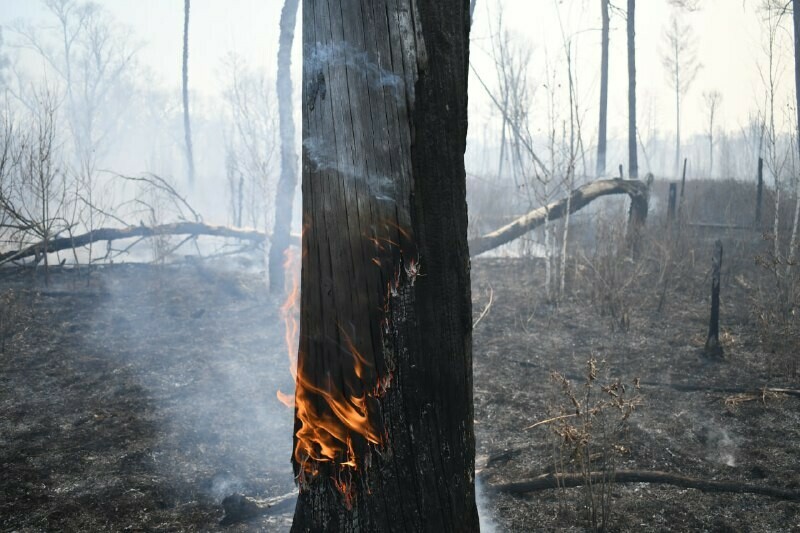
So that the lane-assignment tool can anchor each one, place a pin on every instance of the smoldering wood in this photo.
(580, 198)
(113, 234)
(555, 481)
(713, 347)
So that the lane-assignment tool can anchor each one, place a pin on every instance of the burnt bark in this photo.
(385, 320)
(672, 201)
(633, 160)
(713, 347)
(602, 130)
(187, 127)
(287, 182)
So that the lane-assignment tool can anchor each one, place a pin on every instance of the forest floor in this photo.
(139, 400)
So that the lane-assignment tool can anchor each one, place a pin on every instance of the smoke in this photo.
(323, 155)
(323, 57)
(486, 522)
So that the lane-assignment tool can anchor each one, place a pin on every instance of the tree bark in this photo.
(633, 160)
(602, 130)
(579, 198)
(383, 404)
(287, 183)
(187, 128)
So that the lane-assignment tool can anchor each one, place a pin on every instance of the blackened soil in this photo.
(140, 400)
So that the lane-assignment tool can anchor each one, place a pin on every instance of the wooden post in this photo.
(713, 347)
(673, 197)
(759, 191)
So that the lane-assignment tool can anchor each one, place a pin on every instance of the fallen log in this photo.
(580, 197)
(554, 481)
(113, 234)
(239, 508)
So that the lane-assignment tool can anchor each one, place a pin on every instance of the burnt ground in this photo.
(140, 400)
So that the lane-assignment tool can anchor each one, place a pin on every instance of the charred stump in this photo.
(671, 206)
(637, 217)
(713, 347)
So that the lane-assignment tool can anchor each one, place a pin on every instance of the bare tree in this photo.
(287, 183)
(633, 162)
(187, 127)
(712, 100)
(602, 129)
(250, 143)
(680, 61)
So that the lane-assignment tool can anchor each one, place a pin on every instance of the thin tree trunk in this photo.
(383, 404)
(793, 239)
(187, 128)
(759, 192)
(602, 130)
(633, 161)
(287, 182)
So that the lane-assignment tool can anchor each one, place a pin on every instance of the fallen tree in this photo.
(580, 197)
(554, 481)
(141, 231)
(637, 190)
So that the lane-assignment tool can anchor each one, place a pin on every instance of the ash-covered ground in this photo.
(140, 400)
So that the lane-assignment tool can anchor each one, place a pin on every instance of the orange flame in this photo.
(289, 314)
(331, 415)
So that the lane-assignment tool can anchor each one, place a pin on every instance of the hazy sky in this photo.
(729, 41)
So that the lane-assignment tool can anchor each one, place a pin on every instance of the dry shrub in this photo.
(588, 432)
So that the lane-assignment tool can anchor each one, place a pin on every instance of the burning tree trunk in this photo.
(383, 400)
(284, 194)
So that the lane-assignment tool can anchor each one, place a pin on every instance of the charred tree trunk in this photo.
(759, 191)
(383, 404)
(672, 201)
(287, 183)
(633, 160)
(601, 133)
(713, 347)
(187, 128)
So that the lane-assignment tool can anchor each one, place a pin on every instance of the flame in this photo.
(289, 313)
(335, 420)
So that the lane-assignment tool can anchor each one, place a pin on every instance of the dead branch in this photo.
(579, 198)
(554, 481)
(141, 231)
